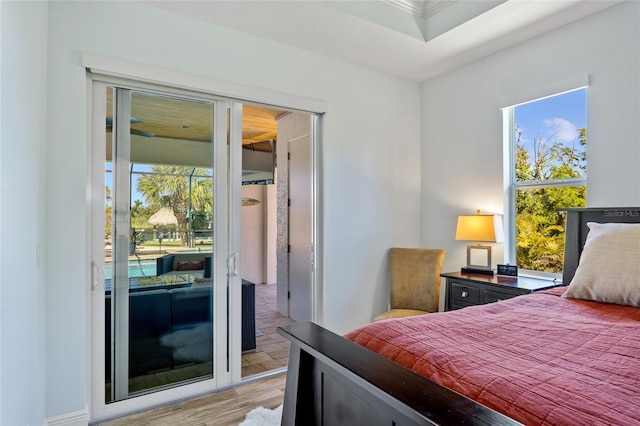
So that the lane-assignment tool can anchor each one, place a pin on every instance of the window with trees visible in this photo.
(548, 170)
(186, 189)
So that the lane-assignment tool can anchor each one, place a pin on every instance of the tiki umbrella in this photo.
(163, 217)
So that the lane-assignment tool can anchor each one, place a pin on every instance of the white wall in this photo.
(370, 171)
(23, 72)
(462, 124)
(254, 235)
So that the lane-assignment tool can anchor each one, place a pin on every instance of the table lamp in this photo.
(479, 228)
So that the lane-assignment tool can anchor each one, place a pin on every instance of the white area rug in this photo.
(191, 344)
(263, 417)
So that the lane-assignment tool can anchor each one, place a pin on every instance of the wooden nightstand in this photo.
(464, 290)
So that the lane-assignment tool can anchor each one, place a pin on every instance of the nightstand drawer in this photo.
(477, 289)
(496, 296)
(465, 293)
(455, 304)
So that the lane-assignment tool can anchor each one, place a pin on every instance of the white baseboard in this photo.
(77, 418)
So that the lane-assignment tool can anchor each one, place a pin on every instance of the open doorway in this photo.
(276, 239)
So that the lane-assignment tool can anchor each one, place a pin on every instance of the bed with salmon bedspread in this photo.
(540, 359)
(563, 356)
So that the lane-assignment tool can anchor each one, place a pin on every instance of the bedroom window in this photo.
(547, 171)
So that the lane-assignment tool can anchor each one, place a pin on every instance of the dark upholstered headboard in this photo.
(577, 230)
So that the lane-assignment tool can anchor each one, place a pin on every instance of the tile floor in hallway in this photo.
(272, 350)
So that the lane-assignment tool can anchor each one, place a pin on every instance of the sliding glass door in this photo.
(165, 223)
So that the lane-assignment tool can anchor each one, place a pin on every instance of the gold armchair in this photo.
(414, 280)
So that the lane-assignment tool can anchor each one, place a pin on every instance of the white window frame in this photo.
(512, 186)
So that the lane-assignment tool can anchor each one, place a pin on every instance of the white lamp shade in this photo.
(480, 227)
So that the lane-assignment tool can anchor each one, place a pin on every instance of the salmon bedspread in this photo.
(539, 358)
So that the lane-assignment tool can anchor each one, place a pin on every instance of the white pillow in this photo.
(609, 267)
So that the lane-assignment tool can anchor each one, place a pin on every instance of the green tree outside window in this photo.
(549, 172)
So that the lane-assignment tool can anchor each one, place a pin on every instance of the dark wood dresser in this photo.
(464, 290)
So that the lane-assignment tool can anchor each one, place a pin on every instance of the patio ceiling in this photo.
(172, 118)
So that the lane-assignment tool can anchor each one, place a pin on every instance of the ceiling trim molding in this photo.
(430, 8)
(414, 8)
(421, 8)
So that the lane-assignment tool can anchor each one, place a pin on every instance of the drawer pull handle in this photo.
(465, 294)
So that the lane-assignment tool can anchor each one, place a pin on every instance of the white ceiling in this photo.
(411, 39)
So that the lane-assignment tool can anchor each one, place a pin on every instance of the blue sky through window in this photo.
(557, 118)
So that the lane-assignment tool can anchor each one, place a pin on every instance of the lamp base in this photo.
(476, 271)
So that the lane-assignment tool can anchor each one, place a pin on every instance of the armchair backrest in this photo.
(414, 275)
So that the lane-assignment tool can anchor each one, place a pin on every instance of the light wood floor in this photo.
(272, 350)
(224, 408)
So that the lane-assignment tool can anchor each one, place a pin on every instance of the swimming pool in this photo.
(137, 268)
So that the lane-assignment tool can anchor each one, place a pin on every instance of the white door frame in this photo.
(300, 236)
(116, 68)
(227, 284)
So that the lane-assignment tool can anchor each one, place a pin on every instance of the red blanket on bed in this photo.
(539, 359)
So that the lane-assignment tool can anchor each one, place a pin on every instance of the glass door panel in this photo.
(159, 243)
(166, 175)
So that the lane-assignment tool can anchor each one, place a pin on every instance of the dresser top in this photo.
(529, 283)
